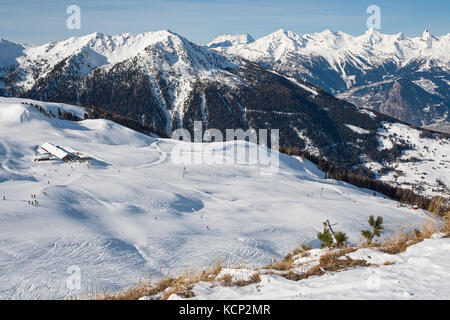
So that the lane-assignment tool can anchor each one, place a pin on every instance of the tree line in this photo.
(437, 204)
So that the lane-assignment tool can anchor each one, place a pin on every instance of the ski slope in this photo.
(130, 213)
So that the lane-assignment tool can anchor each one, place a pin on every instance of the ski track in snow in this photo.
(130, 214)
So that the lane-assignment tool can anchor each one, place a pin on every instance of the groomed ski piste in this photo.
(133, 213)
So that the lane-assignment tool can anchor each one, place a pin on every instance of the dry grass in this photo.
(305, 246)
(227, 281)
(141, 290)
(284, 265)
(445, 228)
(328, 262)
(288, 260)
(255, 278)
(429, 228)
(181, 286)
(332, 262)
(293, 276)
(402, 239)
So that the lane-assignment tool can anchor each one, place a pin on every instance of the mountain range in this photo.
(407, 78)
(168, 82)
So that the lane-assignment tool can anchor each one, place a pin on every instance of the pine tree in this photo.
(341, 238)
(325, 237)
(377, 226)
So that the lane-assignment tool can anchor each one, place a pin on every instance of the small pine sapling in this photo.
(377, 227)
(341, 239)
(325, 237)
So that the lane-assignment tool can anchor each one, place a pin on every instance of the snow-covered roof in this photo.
(54, 150)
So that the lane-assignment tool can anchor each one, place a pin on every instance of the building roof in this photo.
(54, 150)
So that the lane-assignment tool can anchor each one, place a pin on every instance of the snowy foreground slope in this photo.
(130, 213)
(421, 272)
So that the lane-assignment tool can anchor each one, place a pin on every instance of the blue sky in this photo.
(37, 22)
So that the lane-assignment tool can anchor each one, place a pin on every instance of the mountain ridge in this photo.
(341, 63)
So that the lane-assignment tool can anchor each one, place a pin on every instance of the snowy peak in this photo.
(228, 40)
(7, 44)
(278, 43)
(427, 39)
(372, 37)
(9, 52)
(283, 33)
(426, 34)
(372, 32)
(282, 37)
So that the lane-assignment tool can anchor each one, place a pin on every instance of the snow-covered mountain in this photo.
(9, 52)
(404, 77)
(84, 69)
(228, 40)
(168, 82)
(133, 212)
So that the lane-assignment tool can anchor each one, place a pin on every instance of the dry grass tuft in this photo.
(332, 261)
(429, 228)
(445, 227)
(328, 262)
(227, 281)
(141, 290)
(255, 278)
(303, 249)
(284, 265)
(305, 246)
(287, 262)
(315, 271)
(402, 239)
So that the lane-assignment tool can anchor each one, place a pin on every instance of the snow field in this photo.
(130, 214)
